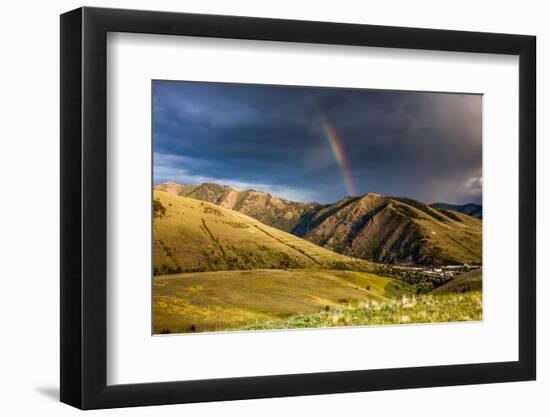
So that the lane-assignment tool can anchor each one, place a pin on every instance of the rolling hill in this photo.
(271, 210)
(217, 269)
(373, 227)
(191, 235)
(225, 300)
(470, 209)
(394, 230)
(468, 281)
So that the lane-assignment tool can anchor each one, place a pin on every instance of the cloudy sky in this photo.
(319, 144)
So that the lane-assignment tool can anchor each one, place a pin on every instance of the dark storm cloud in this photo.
(425, 146)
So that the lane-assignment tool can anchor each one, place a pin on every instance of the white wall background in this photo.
(29, 225)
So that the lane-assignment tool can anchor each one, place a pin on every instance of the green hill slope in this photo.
(470, 209)
(224, 300)
(407, 310)
(193, 235)
(468, 281)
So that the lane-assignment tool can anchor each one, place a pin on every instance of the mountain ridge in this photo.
(377, 228)
(191, 235)
(471, 209)
(271, 210)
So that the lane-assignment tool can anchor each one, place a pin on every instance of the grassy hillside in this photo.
(222, 300)
(371, 227)
(407, 310)
(468, 281)
(192, 236)
(218, 269)
(268, 209)
(396, 230)
(470, 209)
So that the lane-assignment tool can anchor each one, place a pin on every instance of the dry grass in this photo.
(468, 281)
(196, 236)
(233, 272)
(454, 307)
(215, 301)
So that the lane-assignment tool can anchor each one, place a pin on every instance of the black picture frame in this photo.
(84, 207)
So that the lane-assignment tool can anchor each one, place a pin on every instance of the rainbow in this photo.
(335, 144)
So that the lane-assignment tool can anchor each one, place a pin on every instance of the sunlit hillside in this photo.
(193, 236)
(372, 227)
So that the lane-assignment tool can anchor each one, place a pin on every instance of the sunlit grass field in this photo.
(225, 300)
(454, 307)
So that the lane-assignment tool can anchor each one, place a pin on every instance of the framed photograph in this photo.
(258, 208)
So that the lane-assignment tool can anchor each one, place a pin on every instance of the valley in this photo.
(368, 260)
